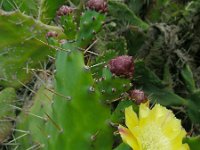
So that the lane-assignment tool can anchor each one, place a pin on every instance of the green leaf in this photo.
(188, 78)
(135, 5)
(153, 86)
(194, 107)
(122, 13)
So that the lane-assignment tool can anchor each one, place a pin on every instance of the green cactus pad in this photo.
(69, 25)
(81, 120)
(19, 49)
(90, 24)
(112, 87)
(32, 120)
(7, 113)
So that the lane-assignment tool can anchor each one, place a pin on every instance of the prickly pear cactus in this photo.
(78, 113)
(43, 10)
(90, 23)
(22, 47)
(67, 19)
(32, 120)
(7, 113)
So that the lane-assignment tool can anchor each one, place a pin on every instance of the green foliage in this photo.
(193, 142)
(7, 113)
(48, 8)
(74, 86)
(118, 114)
(188, 78)
(43, 10)
(69, 25)
(81, 116)
(28, 7)
(153, 86)
(135, 6)
(120, 10)
(112, 87)
(123, 147)
(194, 106)
(20, 47)
(90, 23)
(32, 120)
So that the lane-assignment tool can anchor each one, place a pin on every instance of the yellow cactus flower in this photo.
(153, 129)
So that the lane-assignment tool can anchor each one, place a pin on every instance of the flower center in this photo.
(152, 138)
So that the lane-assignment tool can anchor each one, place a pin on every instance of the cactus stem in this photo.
(113, 124)
(54, 123)
(53, 47)
(58, 94)
(34, 147)
(124, 85)
(22, 131)
(99, 64)
(96, 80)
(93, 137)
(34, 115)
(86, 68)
(103, 91)
(90, 52)
(15, 139)
(91, 45)
(114, 90)
(38, 70)
(26, 87)
(91, 89)
(93, 18)
(51, 57)
(93, 32)
(116, 133)
(85, 22)
(114, 100)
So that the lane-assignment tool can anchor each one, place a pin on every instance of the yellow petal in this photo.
(128, 137)
(172, 127)
(160, 114)
(143, 111)
(131, 117)
(185, 147)
(177, 141)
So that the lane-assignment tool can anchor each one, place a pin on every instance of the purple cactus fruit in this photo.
(51, 34)
(138, 96)
(122, 66)
(98, 5)
(64, 10)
